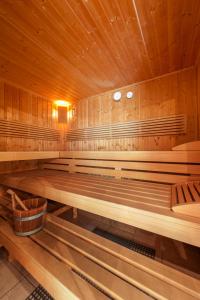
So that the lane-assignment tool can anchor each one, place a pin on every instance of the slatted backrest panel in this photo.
(163, 166)
(186, 198)
(168, 125)
(186, 193)
(18, 129)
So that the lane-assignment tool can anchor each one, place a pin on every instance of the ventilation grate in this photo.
(39, 294)
(92, 283)
(147, 251)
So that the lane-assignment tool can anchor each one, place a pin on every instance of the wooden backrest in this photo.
(186, 198)
(168, 125)
(16, 129)
(159, 166)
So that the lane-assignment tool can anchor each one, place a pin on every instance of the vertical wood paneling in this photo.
(198, 95)
(19, 105)
(168, 95)
(81, 48)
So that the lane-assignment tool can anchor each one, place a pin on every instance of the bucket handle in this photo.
(15, 199)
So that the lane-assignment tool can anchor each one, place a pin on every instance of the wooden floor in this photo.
(144, 205)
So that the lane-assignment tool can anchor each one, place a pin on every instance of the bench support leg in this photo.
(75, 213)
(10, 258)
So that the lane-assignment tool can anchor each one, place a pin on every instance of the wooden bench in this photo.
(27, 155)
(132, 187)
(73, 263)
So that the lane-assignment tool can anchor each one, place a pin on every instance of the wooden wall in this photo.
(19, 105)
(171, 94)
(198, 95)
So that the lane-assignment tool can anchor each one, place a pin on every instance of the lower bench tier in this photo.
(73, 263)
(144, 205)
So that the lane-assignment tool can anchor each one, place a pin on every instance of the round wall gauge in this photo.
(129, 95)
(117, 96)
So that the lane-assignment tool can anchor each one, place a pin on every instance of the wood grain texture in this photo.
(26, 122)
(17, 166)
(198, 94)
(18, 129)
(162, 166)
(155, 278)
(56, 277)
(166, 126)
(170, 95)
(186, 198)
(140, 156)
(23, 112)
(148, 211)
(192, 146)
(119, 42)
(17, 156)
(112, 285)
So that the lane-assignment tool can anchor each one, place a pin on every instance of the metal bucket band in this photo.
(30, 218)
(29, 232)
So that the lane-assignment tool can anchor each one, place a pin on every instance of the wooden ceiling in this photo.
(71, 49)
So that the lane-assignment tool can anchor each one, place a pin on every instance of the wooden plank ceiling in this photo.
(71, 49)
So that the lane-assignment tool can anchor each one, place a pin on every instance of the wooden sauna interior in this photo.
(100, 116)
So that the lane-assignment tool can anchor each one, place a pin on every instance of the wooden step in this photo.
(155, 279)
(55, 276)
(73, 263)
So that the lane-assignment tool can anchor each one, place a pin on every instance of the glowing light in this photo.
(69, 114)
(62, 103)
(55, 114)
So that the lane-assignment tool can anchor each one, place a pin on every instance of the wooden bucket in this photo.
(28, 222)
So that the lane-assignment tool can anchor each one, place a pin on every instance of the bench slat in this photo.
(174, 198)
(108, 282)
(29, 155)
(197, 185)
(127, 191)
(191, 203)
(155, 287)
(158, 187)
(193, 191)
(55, 276)
(181, 198)
(147, 217)
(131, 196)
(144, 166)
(143, 156)
(186, 192)
(145, 273)
(158, 177)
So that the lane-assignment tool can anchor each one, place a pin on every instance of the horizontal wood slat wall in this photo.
(173, 94)
(169, 125)
(26, 131)
(26, 124)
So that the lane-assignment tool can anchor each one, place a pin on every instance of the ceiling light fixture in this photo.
(117, 96)
(62, 103)
(129, 95)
